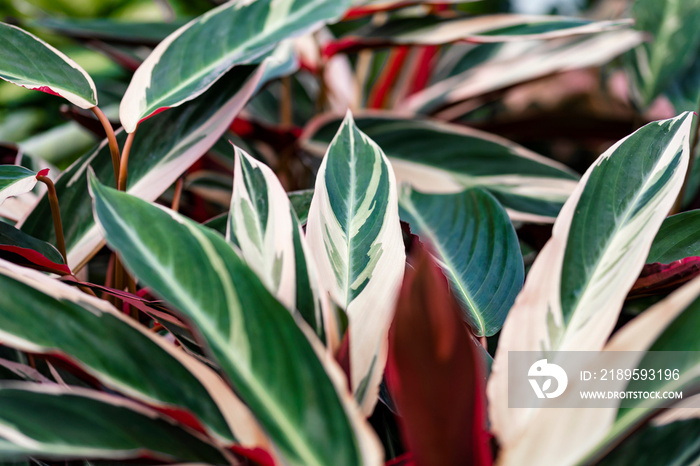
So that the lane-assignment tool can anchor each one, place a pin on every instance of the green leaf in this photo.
(262, 224)
(672, 50)
(164, 149)
(105, 344)
(65, 423)
(355, 236)
(438, 30)
(476, 247)
(255, 340)
(15, 180)
(677, 238)
(444, 158)
(684, 89)
(674, 444)
(577, 285)
(34, 252)
(111, 31)
(244, 32)
(30, 62)
(301, 201)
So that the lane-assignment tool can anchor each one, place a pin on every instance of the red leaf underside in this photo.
(435, 372)
(659, 278)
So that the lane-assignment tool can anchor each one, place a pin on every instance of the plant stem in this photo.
(118, 276)
(178, 194)
(111, 139)
(124, 162)
(286, 113)
(56, 214)
(323, 89)
(121, 185)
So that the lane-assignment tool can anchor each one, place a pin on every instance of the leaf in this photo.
(583, 436)
(165, 148)
(435, 372)
(111, 31)
(361, 8)
(674, 45)
(477, 248)
(439, 30)
(677, 238)
(102, 426)
(32, 63)
(578, 282)
(520, 62)
(15, 180)
(262, 224)
(10, 370)
(437, 157)
(657, 278)
(111, 348)
(245, 31)
(255, 340)
(676, 320)
(301, 201)
(354, 234)
(684, 90)
(33, 252)
(677, 443)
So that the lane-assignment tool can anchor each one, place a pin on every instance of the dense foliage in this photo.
(314, 239)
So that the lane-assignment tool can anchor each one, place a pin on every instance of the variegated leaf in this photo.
(355, 237)
(54, 422)
(438, 30)
(268, 357)
(361, 8)
(440, 158)
(168, 145)
(575, 289)
(263, 226)
(522, 61)
(105, 344)
(235, 33)
(580, 436)
(664, 59)
(30, 62)
(22, 249)
(15, 180)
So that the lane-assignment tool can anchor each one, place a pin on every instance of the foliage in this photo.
(324, 224)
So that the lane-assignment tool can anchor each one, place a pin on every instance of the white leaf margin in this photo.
(527, 327)
(371, 312)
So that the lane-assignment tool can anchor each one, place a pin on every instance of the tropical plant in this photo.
(311, 243)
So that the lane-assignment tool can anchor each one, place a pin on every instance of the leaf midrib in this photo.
(451, 268)
(619, 225)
